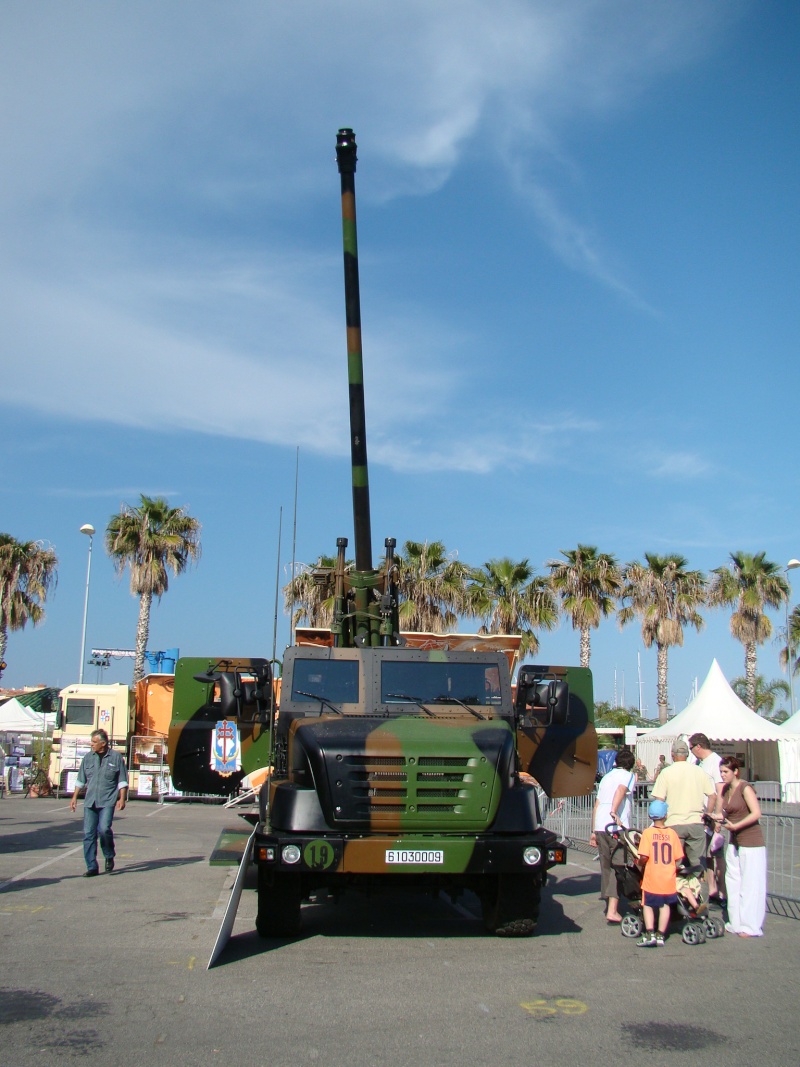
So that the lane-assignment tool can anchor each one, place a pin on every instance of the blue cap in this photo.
(658, 809)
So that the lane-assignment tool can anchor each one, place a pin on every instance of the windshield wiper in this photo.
(454, 700)
(411, 700)
(322, 700)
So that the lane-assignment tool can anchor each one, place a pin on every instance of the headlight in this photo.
(532, 855)
(290, 854)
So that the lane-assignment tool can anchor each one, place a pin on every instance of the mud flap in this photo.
(225, 931)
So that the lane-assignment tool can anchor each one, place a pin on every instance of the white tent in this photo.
(772, 753)
(15, 718)
(792, 724)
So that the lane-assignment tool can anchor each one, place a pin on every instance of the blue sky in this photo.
(578, 239)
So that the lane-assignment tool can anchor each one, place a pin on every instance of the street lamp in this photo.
(790, 566)
(89, 530)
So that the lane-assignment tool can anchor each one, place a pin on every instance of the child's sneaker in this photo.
(647, 940)
(659, 941)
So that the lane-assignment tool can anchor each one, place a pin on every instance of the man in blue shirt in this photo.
(104, 774)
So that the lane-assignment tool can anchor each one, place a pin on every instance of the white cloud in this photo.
(680, 466)
(146, 147)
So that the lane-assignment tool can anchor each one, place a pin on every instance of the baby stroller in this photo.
(696, 925)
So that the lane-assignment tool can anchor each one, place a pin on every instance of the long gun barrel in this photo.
(346, 161)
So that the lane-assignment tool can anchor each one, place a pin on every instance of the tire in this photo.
(693, 934)
(511, 904)
(631, 926)
(713, 927)
(279, 897)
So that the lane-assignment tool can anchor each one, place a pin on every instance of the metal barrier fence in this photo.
(768, 791)
(782, 837)
(571, 819)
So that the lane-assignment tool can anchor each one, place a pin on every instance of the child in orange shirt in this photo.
(660, 852)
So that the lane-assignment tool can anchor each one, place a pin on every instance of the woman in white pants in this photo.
(746, 854)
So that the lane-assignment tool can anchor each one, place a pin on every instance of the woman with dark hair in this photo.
(613, 805)
(746, 854)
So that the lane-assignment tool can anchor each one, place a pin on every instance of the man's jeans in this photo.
(97, 823)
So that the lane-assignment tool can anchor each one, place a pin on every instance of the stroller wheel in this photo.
(631, 926)
(693, 934)
(713, 927)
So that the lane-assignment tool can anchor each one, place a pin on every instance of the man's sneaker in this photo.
(660, 941)
(647, 940)
(109, 866)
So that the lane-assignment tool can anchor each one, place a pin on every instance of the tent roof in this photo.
(717, 712)
(15, 718)
(43, 700)
(792, 724)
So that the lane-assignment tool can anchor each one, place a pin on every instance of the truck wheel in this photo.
(511, 905)
(279, 897)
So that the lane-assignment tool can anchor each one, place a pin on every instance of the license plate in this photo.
(429, 856)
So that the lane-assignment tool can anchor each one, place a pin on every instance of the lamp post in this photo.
(89, 530)
(790, 566)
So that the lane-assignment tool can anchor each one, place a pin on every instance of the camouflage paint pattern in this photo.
(194, 715)
(346, 162)
(563, 758)
(367, 779)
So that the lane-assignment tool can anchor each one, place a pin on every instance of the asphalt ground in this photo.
(112, 970)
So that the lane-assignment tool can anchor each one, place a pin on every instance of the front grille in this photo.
(376, 761)
(378, 776)
(417, 790)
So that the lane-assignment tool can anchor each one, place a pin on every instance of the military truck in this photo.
(394, 763)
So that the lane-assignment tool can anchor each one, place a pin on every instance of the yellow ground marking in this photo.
(545, 1009)
(32, 908)
(189, 964)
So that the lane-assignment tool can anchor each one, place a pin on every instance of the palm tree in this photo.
(151, 539)
(666, 596)
(309, 596)
(588, 584)
(512, 600)
(431, 587)
(28, 571)
(792, 639)
(767, 693)
(752, 583)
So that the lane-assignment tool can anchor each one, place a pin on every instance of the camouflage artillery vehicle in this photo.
(396, 765)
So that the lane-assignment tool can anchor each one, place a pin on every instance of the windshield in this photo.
(335, 680)
(439, 683)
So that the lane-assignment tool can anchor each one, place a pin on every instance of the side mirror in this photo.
(545, 700)
(558, 702)
(244, 695)
(229, 694)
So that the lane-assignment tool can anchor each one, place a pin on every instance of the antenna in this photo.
(274, 644)
(294, 546)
